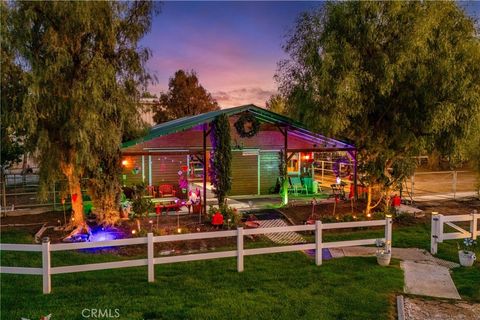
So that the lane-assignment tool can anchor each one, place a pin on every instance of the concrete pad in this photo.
(428, 279)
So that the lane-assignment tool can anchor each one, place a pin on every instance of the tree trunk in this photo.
(75, 191)
(370, 207)
(105, 201)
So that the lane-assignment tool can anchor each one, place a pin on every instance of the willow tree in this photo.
(221, 159)
(394, 78)
(12, 93)
(85, 68)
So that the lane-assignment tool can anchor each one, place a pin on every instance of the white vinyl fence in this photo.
(438, 235)
(46, 248)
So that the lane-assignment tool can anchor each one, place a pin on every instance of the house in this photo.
(174, 152)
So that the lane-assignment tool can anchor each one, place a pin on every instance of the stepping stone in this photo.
(428, 279)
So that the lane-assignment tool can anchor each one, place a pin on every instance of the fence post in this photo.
(473, 225)
(412, 187)
(239, 249)
(318, 243)
(388, 232)
(150, 254)
(46, 272)
(454, 184)
(434, 236)
(440, 228)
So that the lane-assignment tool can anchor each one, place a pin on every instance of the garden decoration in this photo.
(466, 253)
(383, 254)
(182, 181)
(247, 125)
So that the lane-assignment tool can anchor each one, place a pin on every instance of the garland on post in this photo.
(221, 158)
(247, 118)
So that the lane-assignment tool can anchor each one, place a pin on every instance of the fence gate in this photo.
(438, 234)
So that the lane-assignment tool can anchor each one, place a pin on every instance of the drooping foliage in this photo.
(85, 69)
(13, 91)
(221, 158)
(185, 97)
(394, 78)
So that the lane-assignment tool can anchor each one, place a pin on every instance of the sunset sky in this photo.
(233, 46)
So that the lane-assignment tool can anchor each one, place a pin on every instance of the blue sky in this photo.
(233, 46)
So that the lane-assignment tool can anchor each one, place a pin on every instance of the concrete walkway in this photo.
(428, 279)
(424, 274)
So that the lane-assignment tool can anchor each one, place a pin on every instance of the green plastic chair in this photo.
(297, 185)
(311, 185)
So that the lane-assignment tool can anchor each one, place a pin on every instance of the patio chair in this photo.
(297, 185)
(166, 190)
(151, 191)
(312, 185)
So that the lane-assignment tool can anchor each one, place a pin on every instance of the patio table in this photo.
(168, 203)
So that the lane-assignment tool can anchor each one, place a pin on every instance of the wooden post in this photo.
(388, 232)
(412, 188)
(355, 177)
(46, 266)
(205, 167)
(150, 257)
(434, 229)
(454, 184)
(323, 169)
(285, 174)
(439, 232)
(318, 243)
(473, 224)
(239, 249)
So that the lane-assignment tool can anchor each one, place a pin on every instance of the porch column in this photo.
(205, 172)
(355, 191)
(285, 173)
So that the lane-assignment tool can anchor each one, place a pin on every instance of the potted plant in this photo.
(383, 254)
(466, 255)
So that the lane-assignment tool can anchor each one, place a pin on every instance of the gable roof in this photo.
(263, 115)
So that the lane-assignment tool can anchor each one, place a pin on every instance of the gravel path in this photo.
(419, 309)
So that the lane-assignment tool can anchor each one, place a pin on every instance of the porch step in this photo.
(280, 237)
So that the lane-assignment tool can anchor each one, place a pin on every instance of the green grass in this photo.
(467, 280)
(281, 286)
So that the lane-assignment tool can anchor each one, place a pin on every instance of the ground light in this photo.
(105, 234)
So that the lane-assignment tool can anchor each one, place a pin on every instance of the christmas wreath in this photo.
(247, 125)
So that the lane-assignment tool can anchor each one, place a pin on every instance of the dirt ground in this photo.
(421, 309)
(450, 207)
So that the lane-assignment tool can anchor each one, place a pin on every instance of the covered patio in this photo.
(173, 157)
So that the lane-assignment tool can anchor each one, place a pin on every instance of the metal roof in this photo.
(263, 115)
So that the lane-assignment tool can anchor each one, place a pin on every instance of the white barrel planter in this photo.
(383, 258)
(467, 258)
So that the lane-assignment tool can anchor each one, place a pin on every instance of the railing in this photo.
(438, 235)
(46, 248)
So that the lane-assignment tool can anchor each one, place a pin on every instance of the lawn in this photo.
(283, 286)
(417, 235)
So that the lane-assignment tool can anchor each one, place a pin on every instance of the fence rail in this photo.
(46, 248)
(438, 235)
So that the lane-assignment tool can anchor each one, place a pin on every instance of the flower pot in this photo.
(383, 258)
(467, 258)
